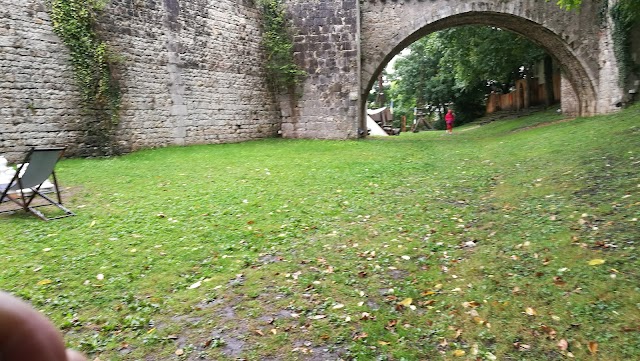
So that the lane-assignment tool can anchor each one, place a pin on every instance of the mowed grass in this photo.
(516, 240)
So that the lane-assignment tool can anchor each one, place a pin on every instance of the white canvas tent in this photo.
(374, 128)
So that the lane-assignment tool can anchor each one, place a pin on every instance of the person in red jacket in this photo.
(27, 335)
(449, 118)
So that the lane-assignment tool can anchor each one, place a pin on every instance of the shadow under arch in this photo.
(572, 67)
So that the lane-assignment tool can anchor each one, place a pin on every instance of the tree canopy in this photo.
(460, 65)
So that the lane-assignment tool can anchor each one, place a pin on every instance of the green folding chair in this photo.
(27, 184)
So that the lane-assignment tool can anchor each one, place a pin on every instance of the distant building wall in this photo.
(527, 93)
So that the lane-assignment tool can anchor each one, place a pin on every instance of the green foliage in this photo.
(489, 53)
(460, 65)
(624, 15)
(569, 4)
(283, 74)
(423, 77)
(93, 64)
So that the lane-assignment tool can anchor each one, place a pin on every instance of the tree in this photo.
(421, 80)
(460, 65)
(489, 53)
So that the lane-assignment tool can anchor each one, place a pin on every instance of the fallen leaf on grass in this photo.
(391, 325)
(479, 320)
(426, 303)
(360, 336)
(530, 311)
(593, 347)
(596, 261)
(458, 353)
(45, 282)
(521, 346)
(367, 316)
(563, 345)
(549, 331)
(558, 281)
(406, 302)
(472, 304)
(179, 352)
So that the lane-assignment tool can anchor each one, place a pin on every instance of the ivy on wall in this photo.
(74, 21)
(283, 74)
(624, 14)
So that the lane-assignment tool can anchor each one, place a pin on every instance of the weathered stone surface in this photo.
(191, 73)
(38, 97)
(326, 47)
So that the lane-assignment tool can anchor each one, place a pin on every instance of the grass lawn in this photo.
(516, 240)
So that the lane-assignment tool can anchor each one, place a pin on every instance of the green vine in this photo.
(624, 15)
(74, 21)
(282, 72)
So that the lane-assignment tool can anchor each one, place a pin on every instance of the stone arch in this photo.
(578, 71)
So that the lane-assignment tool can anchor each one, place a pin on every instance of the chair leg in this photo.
(34, 210)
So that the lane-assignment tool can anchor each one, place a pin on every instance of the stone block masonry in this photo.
(190, 71)
(326, 48)
(39, 101)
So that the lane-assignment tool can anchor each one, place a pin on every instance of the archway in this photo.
(575, 72)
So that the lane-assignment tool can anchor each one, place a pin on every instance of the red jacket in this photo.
(449, 117)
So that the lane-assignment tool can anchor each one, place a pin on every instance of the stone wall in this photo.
(326, 48)
(38, 97)
(191, 72)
